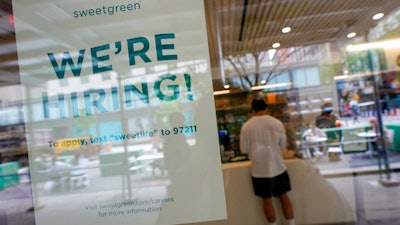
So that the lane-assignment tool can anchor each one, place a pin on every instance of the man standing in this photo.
(326, 119)
(263, 137)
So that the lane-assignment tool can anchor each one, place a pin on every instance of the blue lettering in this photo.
(120, 137)
(74, 102)
(115, 97)
(96, 59)
(160, 47)
(57, 105)
(94, 103)
(67, 59)
(174, 88)
(143, 96)
(141, 52)
(137, 47)
(165, 88)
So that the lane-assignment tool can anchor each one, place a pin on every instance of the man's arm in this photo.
(283, 138)
(243, 142)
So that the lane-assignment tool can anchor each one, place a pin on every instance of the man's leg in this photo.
(287, 207)
(269, 210)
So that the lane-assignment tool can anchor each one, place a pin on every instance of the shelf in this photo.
(12, 139)
(233, 108)
(13, 151)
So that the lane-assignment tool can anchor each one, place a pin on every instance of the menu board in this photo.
(122, 91)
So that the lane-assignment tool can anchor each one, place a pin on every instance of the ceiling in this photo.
(242, 26)
(254, 25)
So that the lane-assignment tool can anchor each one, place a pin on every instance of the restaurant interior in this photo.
(304, 58)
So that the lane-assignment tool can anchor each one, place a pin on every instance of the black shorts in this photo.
(275, 186)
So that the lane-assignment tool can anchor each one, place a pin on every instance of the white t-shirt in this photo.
(263, 138)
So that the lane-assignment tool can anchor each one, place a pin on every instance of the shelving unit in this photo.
(281, 105)
(234, 109)
(13, 143)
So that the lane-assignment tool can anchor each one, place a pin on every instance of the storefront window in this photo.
(336, 59)
(306, 77)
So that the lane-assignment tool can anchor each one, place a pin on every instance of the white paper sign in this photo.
(119, 112)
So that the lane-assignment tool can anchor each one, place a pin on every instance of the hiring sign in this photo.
(119, 112)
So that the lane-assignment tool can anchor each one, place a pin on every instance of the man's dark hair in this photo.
(258, 105)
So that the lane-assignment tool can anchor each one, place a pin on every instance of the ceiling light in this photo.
(261, 87)
(271, 54)
(226, 86)
(276, 45)
(351, 35)
(286, 30)
(378, 16)
(223, 92)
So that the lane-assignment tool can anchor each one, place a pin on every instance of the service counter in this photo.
(8, 174)
(314, 199)
(337, 132)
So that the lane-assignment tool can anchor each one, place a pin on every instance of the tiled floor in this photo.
(15, 206)
(372, 202)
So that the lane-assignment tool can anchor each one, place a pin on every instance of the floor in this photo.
(375, 200)
(373, 193)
